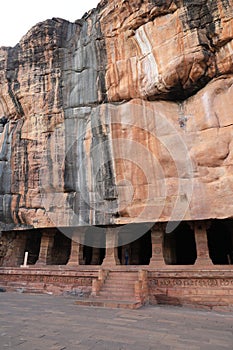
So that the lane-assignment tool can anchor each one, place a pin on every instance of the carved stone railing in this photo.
(141, 287)
(99, 282)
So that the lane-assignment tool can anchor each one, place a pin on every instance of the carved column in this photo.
(111, 252)
(203, 257)
(21, 241)
(46, 245)
(157, 237)
(76, 252)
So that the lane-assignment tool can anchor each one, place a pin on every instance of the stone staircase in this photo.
(116, 289)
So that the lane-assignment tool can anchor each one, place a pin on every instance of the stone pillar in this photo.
(203, 257)
(46, 245)
(21, 241)
(81, 259)
(76, 252)
(157, 234)
(111, 252)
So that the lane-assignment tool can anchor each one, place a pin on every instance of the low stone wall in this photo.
(207, 288)
(52, 281)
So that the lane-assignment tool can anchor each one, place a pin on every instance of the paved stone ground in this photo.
(44, 322)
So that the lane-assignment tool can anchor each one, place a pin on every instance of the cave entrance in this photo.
(33, 246)
(137, 252)
(180, 246)
(61, 249)
(220, 242)
(94, 247)
(93, 255)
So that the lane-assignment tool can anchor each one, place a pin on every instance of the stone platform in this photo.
(208, 288)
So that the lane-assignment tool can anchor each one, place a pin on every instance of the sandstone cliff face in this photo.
(124, 116)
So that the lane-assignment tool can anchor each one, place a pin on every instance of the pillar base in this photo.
(75, 263)
(156, 264)
(204, 263)
(40, 263)
(111, 260)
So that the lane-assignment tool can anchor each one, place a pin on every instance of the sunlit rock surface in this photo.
(123, 116)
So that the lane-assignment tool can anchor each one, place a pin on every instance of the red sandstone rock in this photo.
(123, 116)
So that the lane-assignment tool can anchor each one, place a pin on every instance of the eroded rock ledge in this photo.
(123, 116)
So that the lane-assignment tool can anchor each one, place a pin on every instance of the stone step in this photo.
(116, 304)
(123, 277)
(115, 292)
(119, 285)
(120, 288)
(120, 282)
(126, 273)
(116, 298)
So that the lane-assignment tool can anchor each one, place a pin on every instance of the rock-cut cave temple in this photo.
(116, 153)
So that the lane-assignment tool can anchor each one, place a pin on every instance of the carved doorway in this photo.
(220, 242)
(180, 246)
(61, 249)
(33, 246)
(137, 252)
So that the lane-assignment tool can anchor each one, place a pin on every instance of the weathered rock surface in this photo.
(123, 116)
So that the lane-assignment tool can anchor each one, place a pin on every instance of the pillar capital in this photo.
(159, 226)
